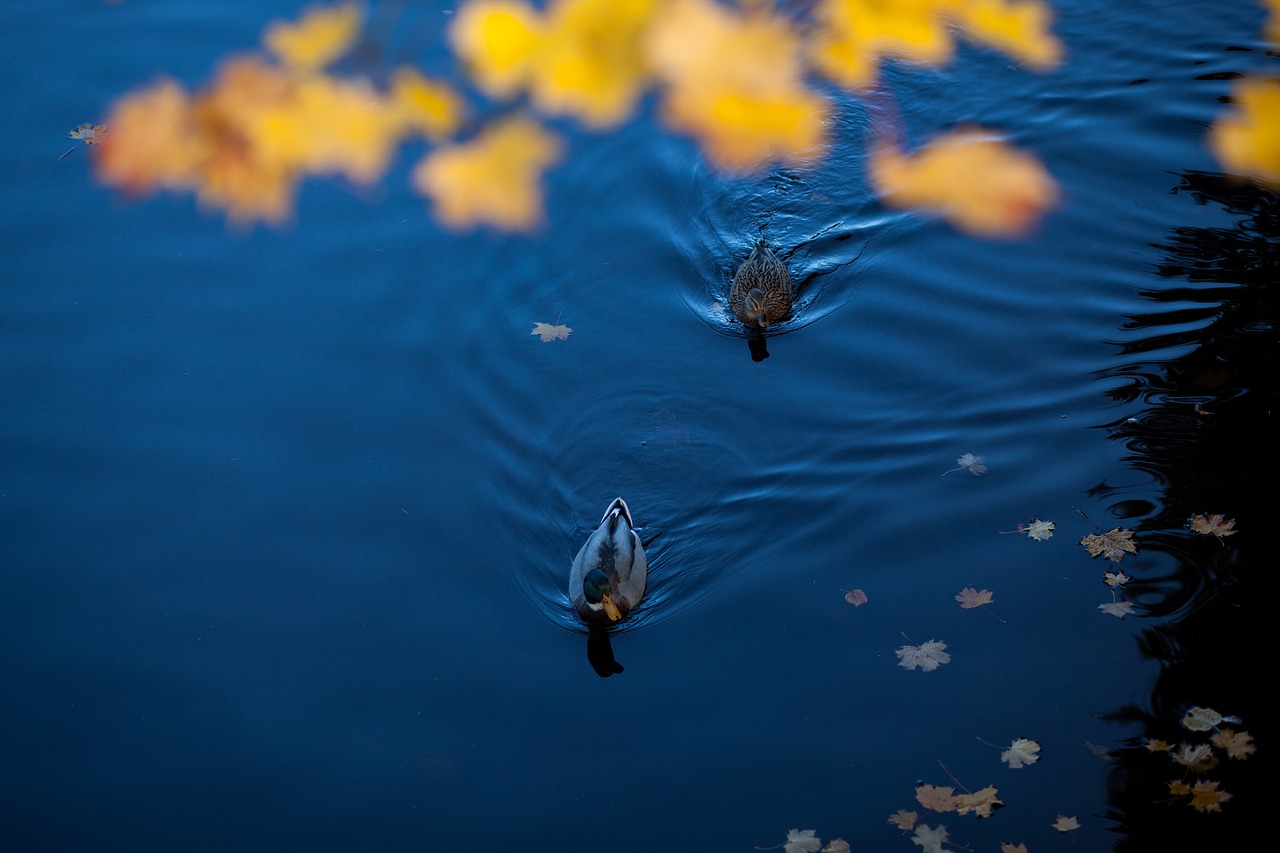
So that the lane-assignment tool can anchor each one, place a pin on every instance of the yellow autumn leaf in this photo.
(1195, 757)
(853, 35)
(498, 40)
(154, 144)
(935, 798)
(494, 179)
(982, 803)
(1019, 28)
(736, 83)
(1214, 523)
(1113, 544)
(904, 819)
(425, 106)
(330, 125)
(1206, 797)
(1238, 745)
(318, 38)
(1247, 139)
(590, 63)
(978, 183)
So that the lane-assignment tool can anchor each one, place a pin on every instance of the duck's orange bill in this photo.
(612, 609)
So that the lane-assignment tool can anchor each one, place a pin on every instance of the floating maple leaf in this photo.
(1157, 745)
(1236, 744)
(1013, 848)
(1113, 544)
(89, 134)
(1037, 529)
(1214, 523)
(856, 597)
(903, 819)
(974, 464)
(802, 841)
(982, 803)
(927, 656)
(1206, 797)
(936, 799)
(1065, 824)
(970, 598)
(929, 838)
(1199, 758)
(1200, 719)
(1115, 579)
(549, 332)
(1020, 753)
(839, 845)
(1117, 609)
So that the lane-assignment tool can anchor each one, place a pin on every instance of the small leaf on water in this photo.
(1117, 609)
(856, 597)
(1200, 719)
(927, 656)
(1115, 579)
(1214, 524)
(89, 134)
(1037, 529)
(904, 819)
(1021, 753)
(549, 332)
(802, 841)
(1113, 544)
(970, 598)
(929, 838)
(1065, 824)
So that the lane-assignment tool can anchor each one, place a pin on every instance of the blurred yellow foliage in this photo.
(854, 35)
(738, 78)
(321, 36)
(581, 58)
(494, 179)
(736, 83)
(497, 39)
(1247, 139)
(977, 183)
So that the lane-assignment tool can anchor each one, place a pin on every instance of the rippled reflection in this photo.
(1203, 365)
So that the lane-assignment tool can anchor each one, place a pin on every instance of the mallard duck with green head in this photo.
(761, 292)
(608, 576)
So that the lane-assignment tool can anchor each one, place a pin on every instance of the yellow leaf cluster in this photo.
(854, 36)
(581, 58)
(735, 77)
(978, 183)
(735, 81)
(494, 179)
(244, 142)
(982, 803)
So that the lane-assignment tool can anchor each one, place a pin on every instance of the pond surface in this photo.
(288, 515)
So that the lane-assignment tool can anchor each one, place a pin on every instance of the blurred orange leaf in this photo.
(1206, 797)
(322, 35)
(495, 179)
(856, 597)
(1246, 140)
(978, 183)
(736, 83)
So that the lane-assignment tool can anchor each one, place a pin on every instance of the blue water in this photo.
(287, 516)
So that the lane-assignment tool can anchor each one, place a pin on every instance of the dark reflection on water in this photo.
(1207, 436)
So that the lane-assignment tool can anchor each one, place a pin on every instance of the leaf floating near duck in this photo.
(608, 577)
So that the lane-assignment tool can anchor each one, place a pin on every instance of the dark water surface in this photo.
(287, 517)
